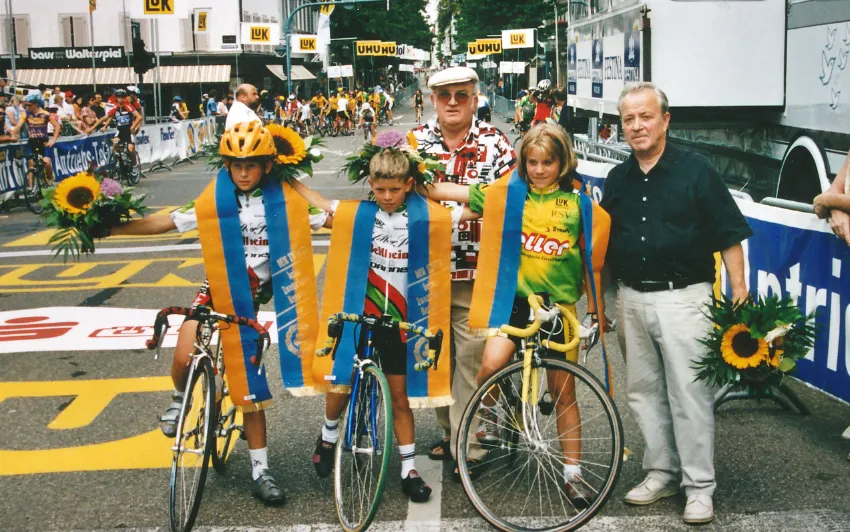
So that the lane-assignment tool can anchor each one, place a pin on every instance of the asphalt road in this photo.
(80, 448)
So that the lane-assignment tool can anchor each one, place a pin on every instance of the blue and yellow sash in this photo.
(293, 282)
(501, 245)
(428, 292)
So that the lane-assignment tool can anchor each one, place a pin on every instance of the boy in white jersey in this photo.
(248, 151)
(390, 182)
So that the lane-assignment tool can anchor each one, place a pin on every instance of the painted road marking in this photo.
(134, 250)
(90, 397)
(789, 521)
(52, 277)
(425, 517)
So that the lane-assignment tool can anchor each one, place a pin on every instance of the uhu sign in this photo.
(388, 49)
(485, 47)
(368, 47)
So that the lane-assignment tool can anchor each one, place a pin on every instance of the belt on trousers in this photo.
(657, 286)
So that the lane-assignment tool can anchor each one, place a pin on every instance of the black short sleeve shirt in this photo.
(668, 223)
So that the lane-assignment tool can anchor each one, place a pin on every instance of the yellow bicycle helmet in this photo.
(247, 139)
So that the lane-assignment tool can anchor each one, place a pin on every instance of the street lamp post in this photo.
(289, 24)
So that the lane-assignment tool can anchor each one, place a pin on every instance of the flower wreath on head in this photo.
(754, 343)
(423, 169)
(295, 155)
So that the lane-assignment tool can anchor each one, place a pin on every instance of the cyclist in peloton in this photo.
(368, 120)
(525, 109)
(390, 182)
(418, 105)
(248, 151)
(545, 102)
(127, 119)
(37, 119)
(388, 105)
(551, 261)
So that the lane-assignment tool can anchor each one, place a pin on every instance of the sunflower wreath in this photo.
(82, 208)
(754, 343)
(295, 156)
(423, 169)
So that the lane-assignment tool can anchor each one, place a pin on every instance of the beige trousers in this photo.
(467, 350)
(660, 331)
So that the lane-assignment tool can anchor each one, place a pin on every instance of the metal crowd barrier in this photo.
(595, 151)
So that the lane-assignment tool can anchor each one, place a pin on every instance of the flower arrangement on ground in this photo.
(755, 343)
(423, 168)
(82, 208)
(295, 156)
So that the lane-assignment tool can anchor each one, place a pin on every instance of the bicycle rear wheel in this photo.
(360, 468)
(229, 421)
(521, 485)
(195, 441)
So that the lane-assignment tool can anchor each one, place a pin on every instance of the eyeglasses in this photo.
(461, 97)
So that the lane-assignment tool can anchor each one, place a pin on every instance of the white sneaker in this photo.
(699, 509)
(650, 491)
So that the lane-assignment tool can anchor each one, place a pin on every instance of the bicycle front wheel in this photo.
(523, 484)
(192, 448)
(363, 452)
(33, 193)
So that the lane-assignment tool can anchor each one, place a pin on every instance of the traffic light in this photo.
(141, 58)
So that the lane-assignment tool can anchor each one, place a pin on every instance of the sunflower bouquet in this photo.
(295, 156)
(82, 208)
(423, 168)
(754, 344)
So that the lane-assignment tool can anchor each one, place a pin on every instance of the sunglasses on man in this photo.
(461, 97)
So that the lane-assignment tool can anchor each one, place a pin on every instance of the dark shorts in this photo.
(392, 351)
(520, 315)
(38, 146)
(125, 136)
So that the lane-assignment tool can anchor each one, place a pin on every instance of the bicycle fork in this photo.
(530, 397)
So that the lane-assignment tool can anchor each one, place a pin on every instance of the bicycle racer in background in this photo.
(127, 120)
(37, 119)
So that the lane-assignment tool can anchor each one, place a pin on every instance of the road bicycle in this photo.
(208, 418)
(541, 413)
(362, 455)
(121, 165)
(33, 189)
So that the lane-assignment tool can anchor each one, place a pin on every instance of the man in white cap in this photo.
(473, 152)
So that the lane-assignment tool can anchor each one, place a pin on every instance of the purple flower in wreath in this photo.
(390, 139)
(110, 188)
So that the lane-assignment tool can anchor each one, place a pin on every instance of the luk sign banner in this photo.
(304, 44)
(77, 57)
(158, 7)
(517, 39)
(255, 33)
(202, 17)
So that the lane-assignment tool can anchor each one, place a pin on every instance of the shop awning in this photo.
(298, 72)
(124, 76)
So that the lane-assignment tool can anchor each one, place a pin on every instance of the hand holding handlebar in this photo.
(541, 316)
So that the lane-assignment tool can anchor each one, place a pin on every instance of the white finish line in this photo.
(790, 521)
(127, 250)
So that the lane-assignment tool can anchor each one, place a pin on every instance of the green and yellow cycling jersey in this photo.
(550, 260)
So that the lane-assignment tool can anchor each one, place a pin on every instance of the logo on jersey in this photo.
(542, 244)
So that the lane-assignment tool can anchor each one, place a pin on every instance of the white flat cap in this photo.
(452, 75)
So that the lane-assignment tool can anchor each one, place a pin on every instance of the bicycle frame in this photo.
(356, 378)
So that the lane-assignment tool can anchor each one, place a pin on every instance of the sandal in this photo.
(475, 467)
(441, 450)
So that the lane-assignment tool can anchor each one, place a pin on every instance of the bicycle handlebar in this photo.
(572, 327)
(203, 313)
(435, 341)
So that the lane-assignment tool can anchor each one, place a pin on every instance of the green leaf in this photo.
(786, 365)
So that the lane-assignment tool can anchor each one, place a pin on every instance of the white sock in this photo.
(571, 471)
(330, 430)
(407, 452)
(259, 461)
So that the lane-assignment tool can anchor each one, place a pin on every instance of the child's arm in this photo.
(448, 192)
(469, 215)
(150, 225)
(312, 197)
(833, 200)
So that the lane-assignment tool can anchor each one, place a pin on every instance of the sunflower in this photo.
(776, 352)
(290, 147)
(740, 350)
(411, 139)
(76, 194)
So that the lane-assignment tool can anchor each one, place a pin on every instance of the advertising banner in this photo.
(344, 71)
(517, 39)
(572, 73)
(155, 8)
(80, 154)
(76, 57)
(304, 44)
(792, 254)
(485, 47)
(13, 166)
(388, 49)
(323, 33)
(511, 67)
(596, 72)
(405, 68)
(259, 33)
(368, 47)
(201, 16)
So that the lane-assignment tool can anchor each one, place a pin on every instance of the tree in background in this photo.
(404, 23)
(475, 20)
